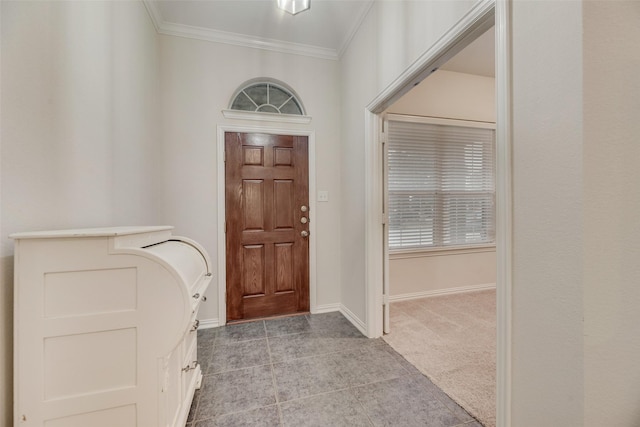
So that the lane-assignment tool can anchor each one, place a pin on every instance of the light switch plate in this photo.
(323, 196)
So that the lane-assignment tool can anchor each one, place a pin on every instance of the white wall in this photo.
(415, 275)
(575, 201)
(79, 137)
(575, 186)
(391, 37)
(358, 79)
(136, 138)
(198, 81)
(405, 29)
(611, 61)
(548, 203)
(452, 95)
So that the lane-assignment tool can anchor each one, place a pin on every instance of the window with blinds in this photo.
(441, 185)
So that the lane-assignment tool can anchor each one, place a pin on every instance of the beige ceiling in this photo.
(323, 31)
(477, 58)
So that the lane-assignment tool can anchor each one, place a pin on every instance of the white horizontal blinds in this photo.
(441, 185)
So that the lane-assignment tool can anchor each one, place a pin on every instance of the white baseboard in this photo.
(209, 323)
(354, 319)
(326, 308)
(448, 291)
(329, 308)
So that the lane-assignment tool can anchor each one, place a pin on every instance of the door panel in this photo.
(283, 204)
(253, 193)
(253, 257)
(284, 267)
(267, 257)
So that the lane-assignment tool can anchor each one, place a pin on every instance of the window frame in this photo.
(230, 113)
(442, 249)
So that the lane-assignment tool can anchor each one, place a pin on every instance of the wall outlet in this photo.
(323, 196)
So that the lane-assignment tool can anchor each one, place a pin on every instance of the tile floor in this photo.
(315, 370)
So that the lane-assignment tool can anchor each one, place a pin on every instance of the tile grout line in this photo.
(445, 405)
(273, 375)
(196, 400)
(364, 410)
(244, 411)
(350, 387)
(200, 390)
(236, 369)
(324, 393)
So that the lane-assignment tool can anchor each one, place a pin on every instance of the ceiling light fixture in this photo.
(294, 6)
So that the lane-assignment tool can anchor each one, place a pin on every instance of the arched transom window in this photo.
(267, 96)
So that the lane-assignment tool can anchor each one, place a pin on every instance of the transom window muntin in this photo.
(267, 96)
(441, 184)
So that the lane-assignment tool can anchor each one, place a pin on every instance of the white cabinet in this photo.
(105, 327)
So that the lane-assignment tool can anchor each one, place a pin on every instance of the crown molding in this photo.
(247, 41)
(235, 39)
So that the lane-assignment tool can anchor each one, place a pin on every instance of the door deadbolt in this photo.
(304, 208)
(304, 220)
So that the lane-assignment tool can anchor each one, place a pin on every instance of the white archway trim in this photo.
(476, 22)
(266, 117)
(504, 213)
(222, 251)
(480, 18)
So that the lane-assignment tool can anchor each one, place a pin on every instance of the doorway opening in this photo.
(439, 193)
(480, 18)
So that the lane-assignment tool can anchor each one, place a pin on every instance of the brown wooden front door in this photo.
(267, 197)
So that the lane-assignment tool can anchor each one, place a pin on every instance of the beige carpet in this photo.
(452, 340)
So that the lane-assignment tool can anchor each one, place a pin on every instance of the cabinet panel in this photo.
(172, 388)
(102, 327)
(123, 416)
(73, 293)
(86, 363)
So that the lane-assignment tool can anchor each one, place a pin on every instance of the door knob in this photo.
(304, 220)
(304, 233)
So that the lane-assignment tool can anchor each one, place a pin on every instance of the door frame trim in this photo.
(222, 250)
